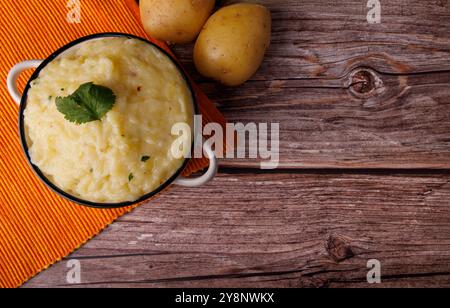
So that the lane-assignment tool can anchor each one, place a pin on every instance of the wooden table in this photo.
(364, 111)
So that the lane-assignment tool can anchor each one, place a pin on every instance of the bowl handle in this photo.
(14, 74)
(208, 176)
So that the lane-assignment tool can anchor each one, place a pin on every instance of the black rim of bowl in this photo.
(23, 138)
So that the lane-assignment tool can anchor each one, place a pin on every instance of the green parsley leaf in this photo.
(130, 177)
(145, 158)
(87, 104)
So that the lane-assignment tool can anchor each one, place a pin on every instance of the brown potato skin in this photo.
(175, 21)
(232, 44)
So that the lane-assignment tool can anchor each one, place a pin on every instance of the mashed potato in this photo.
(127, 154)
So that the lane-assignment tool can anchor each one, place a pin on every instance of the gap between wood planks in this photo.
(334, 171)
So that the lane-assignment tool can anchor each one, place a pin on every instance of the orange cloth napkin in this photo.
(38, 228)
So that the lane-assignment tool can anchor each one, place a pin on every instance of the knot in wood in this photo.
(364, 82)
(339, 248)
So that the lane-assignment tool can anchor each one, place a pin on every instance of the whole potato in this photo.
(232, 44)
(175, 21)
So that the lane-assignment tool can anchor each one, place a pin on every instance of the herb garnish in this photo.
(145, 158)
(130, 177)
(87, 104)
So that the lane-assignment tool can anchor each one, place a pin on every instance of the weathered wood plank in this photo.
(316, 39)
(304, 85)
(277, 230)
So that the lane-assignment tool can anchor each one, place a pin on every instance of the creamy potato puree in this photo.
(102, 161)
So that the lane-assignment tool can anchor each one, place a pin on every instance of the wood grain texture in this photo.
(277, 230)
(298, 226)
(304, 85)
